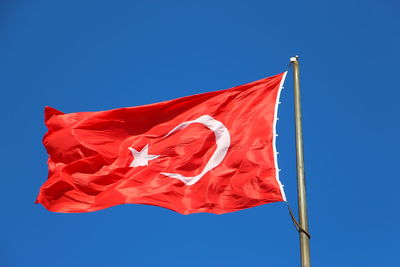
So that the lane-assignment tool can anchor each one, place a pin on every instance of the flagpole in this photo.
(301, 183)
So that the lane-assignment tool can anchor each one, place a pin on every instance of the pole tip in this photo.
(293, 59)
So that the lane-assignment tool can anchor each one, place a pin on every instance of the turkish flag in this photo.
(212, 152)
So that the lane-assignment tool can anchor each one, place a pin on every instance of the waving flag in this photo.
(212, 152)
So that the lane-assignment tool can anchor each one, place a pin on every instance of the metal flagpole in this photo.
(301, 185)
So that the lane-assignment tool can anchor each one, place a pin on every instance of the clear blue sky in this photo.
(98, 55)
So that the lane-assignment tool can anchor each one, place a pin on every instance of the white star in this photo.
(141, 158)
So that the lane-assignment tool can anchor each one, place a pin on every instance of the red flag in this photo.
(212, 152)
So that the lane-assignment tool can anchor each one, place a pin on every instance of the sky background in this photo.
(99, 55)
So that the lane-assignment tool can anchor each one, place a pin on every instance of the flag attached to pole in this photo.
(213, 152)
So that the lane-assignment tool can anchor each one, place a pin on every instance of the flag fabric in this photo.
(212, 152)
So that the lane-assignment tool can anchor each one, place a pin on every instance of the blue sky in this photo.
(98, 55)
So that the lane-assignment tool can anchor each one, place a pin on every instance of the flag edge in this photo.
(275, 135)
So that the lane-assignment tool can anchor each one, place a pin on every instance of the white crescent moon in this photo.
(222, 138)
